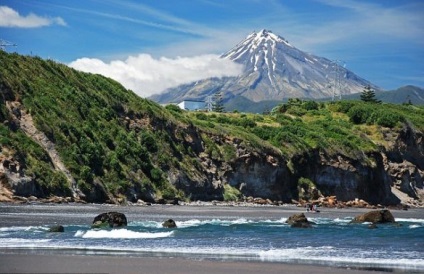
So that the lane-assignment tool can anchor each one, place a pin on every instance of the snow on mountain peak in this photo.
(275, 70)
(268, 35)
(262, 41)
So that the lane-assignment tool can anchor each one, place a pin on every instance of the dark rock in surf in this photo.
(57, 228)
(299, 221)
(169, 224)
(109, 219)
(375, 217)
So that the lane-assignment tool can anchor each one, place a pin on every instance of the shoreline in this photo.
(324, 202)
(42, 263)
(88, 261)
(20, 214)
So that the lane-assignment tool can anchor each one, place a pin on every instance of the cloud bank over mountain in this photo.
(146, 75)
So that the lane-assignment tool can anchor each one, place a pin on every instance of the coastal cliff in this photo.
(72, 136)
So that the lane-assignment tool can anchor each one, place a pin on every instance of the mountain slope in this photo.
(406, 94)
(402, 95)
(273, 70)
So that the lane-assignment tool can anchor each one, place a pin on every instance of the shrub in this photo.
(342, 106)
(223, 119)
(201, 116)
(296, 110)
(360, 114)
(386, 118)
(231, 193)
(156, 174)
(169, 193)
(310, 105)
(173, 108)
(149, 142)
(246, 123)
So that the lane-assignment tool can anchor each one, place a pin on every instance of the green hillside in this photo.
(117, 145)
(85, 115)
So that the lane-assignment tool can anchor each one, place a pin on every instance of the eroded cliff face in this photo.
(404, 163)
(347, 178)
(254, 173)
(393, 175)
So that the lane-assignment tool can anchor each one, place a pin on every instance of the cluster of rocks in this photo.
(50, 200)
(111, 220)
(333, 202)
(373, 217)
(117, 219)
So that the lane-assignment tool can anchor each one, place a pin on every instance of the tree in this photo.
(368, 95)
(218, 104)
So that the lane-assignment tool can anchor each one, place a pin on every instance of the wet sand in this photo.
(20, 263)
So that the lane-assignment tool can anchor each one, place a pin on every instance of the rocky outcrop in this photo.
(260, 174)
(361, 181)
(169, 224)
(299, 221)
(24, 120)
(254, 172)
(404, 163)
(347, 178)
(375, 217)
(57, 228)
(109, 219)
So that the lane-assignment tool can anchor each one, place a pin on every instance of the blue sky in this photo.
(150, 45)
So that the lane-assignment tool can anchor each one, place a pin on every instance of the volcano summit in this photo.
(273, 70)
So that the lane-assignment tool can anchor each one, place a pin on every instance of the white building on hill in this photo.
(192, 105)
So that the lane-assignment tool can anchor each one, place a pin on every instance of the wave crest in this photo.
(121, 234)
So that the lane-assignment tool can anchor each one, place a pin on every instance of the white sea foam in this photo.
(324, 255)
(121, 234)
(345, 220)
(410, 220)
(219, 222)
(239, 221)
(149, 224)
(20, 242)
(22, 228)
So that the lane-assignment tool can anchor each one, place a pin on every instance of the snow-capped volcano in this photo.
(273, 69)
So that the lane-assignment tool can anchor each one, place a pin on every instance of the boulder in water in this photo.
(57, 228)
(375, 217)
(169, 224)
(109, 219)
(299, 221)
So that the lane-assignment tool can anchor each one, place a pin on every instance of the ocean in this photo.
(218, 233)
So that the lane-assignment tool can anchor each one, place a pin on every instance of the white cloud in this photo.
(146, 75)
(11, 18)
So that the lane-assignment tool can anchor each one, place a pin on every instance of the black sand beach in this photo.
(19, 263)
(37, 261)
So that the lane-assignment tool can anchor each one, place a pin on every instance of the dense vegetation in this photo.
(85, 116)
(109, 137)
(346, 127)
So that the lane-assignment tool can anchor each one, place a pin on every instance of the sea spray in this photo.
(121, 234)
